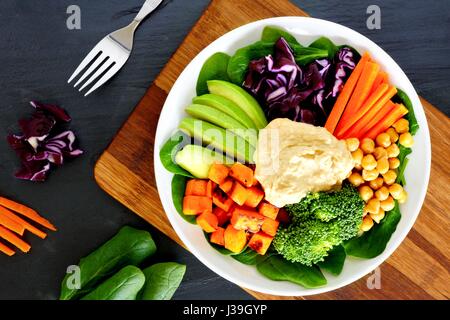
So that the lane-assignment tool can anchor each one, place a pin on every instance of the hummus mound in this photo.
(293, 159)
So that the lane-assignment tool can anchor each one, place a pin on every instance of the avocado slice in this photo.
(240, 97)
(219, 138)
(197, 160)
(227, 106)
(223, 120)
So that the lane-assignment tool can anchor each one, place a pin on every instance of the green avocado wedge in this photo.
(222, 120)
(197, 160)
(240, 97)
(227, 106)
(218, 138)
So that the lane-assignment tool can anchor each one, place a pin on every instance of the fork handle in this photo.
(146, 9)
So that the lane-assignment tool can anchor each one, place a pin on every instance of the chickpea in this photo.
(392, 134)
(403, 197)
(366, 193)
(388, 204)
(369, 175)
(393, 151)
(356, 179)
(406, 140)
(383, 165)
(368, 162)
(389, 177)
(379, 152)
(401, 126)
(377, 217)
(358, 167)
(396, 191)
(394, 163)
(383, 140)
(357, 156)
(373, 205)
(352, 144)
(367, 145)
(382, 193)
(377, 183)
(366, 224)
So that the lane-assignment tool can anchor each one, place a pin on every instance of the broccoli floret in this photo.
(320, 221)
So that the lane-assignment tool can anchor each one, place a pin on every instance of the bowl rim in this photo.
(393, 244)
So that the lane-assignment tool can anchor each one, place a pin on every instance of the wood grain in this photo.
(419, 268)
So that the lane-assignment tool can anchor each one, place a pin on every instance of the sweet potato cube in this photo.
(208, 221)
(255, 195)
(218, 172)
(248, 220)
(221, 200)
(193, 205)
(260, 242)
(270, 226)
(242, 173)
(226, 185)
(217, 236)
(268, 210)
(196, 187)
(283, 216)
(222, 215)
(235, 240)
(239, 193)
(210, 186)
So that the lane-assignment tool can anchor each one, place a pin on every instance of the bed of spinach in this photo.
(214, 68)
(168, 151)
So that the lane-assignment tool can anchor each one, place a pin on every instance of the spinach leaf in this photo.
(305, 55)
(334, 262)
(238, 64)
(128, 247)
(373, 242)
(248, 256)
(402, 157)
(402, 97)
(278, 269)
(220, 249)
(124, 285)
(325, 44)
(178, 189)
(167, 153)
(215, 68)
(162, 280)
(272, 34)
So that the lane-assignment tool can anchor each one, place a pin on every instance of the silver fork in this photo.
(111, 53)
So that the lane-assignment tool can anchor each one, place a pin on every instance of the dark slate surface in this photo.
(38, 53)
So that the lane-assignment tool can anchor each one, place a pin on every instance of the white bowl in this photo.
(305, 30)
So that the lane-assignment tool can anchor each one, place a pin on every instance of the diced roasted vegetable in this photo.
(221, 200)
(268, 210)
(239, 193)
(208, 221)
(242, 173)
(217, 236)
(196, 187)
(222, 215)
(193, 205)
(260, 242)
(218, 172)
(235, 240)
(209, 188)
(248, 220)
(226, 185)
(255, 195)
(270, 226)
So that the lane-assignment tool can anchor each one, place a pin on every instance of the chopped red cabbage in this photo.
(42, 143)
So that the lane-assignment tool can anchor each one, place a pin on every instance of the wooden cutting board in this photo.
(419, 268)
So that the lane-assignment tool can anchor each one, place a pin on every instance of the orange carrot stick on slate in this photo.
(13, 239)
(26, 225)
(6, 250)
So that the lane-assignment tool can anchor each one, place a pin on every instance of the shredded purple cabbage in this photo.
(304, 94)
(42, 143)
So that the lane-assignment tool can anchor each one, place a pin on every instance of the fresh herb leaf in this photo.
(278, 269)
(167, 153)
(272, 34)
(402, 97)
(178, 189)
(162, 280)
(124, 285)
(373, 242)
(334, 262)
(214, 68)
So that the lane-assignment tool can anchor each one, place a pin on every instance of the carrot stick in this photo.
(369, 109)
(27, 212)
(362, 127)
(11, 224)
(361, 92)
(345, 94)
(6, 250)
(399, 111)
(13, 239)
(25, 224)
(368, 104)
(382, 77)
